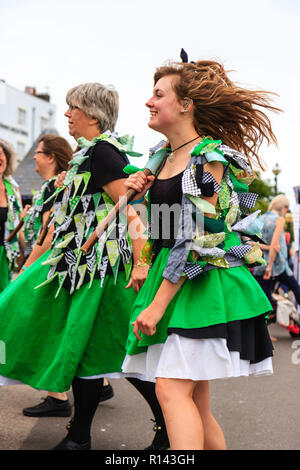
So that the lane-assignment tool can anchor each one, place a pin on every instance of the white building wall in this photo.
(22, 117)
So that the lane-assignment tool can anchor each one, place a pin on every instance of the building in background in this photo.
(24, 115)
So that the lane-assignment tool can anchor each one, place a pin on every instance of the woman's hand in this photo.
(138, 276)
(140, 182)
(25, 210)
(60, 179)
(268, 273)
(147, 320)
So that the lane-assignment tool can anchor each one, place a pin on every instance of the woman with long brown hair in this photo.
(200, 314)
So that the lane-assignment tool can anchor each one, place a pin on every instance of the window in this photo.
(21, 149)
(44, 123)
(21, 116)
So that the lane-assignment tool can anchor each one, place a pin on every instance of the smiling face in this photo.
(3, 161)
(165, 109)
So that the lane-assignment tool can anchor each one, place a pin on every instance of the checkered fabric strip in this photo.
(192, 270)
(247, 199)
(239, 251)
(208, 178)
(188, 183)
(234, 200)
(237, 156)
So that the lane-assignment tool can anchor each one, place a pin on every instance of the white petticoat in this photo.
(6, 381)
(194, 359)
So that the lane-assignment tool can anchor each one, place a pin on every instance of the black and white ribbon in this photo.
(239, 159)
(192, 270)
(239, 251)
(247, 200)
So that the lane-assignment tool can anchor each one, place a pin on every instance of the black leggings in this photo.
(86, 398)
(289, 281)
(86, 394)
(147, 390)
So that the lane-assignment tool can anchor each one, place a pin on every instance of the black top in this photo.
(106, 165)
(47, 193)
(3, 217)
(165, 198)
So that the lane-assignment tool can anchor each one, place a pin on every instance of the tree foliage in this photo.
(265, 190)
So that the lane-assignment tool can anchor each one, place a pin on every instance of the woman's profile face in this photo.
(42, 160)
(164, 106)
(78, 122)
(3, 161)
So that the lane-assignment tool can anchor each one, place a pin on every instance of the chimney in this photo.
(30, 90)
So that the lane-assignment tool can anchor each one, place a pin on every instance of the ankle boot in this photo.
(161, 440)
(68, 444)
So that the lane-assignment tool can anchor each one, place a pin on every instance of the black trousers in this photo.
(289, 281)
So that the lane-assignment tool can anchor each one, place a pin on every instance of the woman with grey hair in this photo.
(86, 98)
(82, 337)
(10, 209)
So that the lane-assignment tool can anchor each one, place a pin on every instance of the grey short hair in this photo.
(11, 157)
(97, 101)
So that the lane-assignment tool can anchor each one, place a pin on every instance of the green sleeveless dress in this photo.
(215, 325)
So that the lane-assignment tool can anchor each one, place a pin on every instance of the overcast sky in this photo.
(56, 44)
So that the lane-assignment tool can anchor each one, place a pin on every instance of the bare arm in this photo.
(146, 322)
(275, 245)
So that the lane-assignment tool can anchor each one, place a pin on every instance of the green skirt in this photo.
(217, 297)
(5, 274)
(48, 341)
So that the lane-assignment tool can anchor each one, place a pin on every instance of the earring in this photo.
(186, 104)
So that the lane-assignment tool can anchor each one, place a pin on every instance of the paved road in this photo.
(257, 413)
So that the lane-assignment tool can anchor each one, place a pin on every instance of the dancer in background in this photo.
(275, 253)
(200, 314)
(52, 156)
(10, 210)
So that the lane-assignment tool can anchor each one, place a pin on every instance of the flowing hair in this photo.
(222, 109)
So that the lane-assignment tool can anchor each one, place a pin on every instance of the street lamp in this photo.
(276, 170)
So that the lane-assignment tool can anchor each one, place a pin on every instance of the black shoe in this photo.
(107, 392)
(161, 440)
(49, 407)
(67, 444)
